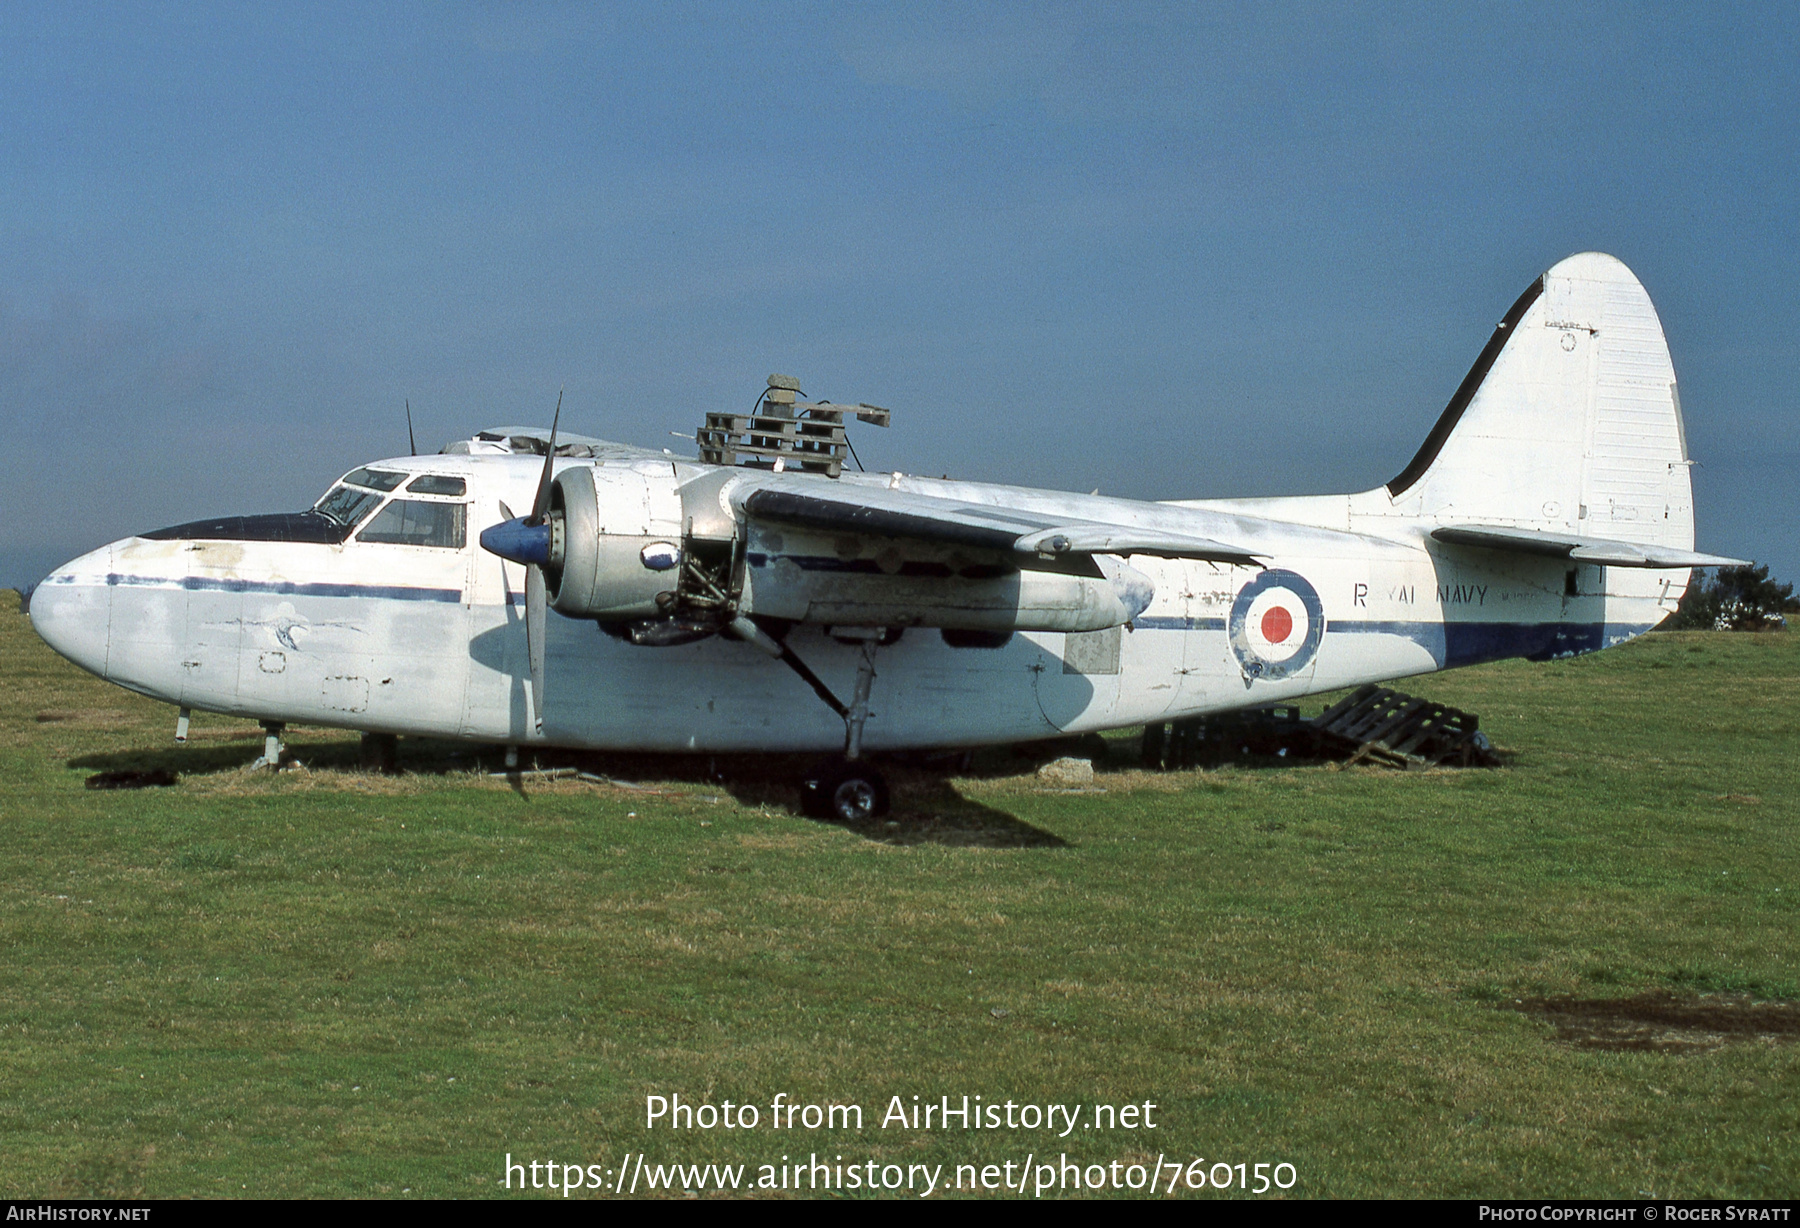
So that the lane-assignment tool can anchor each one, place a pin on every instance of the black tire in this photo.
(844, 793)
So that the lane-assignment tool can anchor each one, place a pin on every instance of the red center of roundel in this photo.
(1277, 624)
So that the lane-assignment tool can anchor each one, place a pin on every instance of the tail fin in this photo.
(1569, 422)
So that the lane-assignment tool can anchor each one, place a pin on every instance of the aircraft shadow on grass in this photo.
(928, 808)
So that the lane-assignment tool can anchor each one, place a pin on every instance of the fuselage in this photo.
(419, 631)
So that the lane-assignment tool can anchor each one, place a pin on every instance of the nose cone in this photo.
(72, 609)
(518, 542)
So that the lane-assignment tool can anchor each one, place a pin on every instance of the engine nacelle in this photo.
(615, 543)
(616, 534)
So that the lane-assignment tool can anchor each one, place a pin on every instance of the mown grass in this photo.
(334, 983)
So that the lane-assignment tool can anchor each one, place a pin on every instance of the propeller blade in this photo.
(541, 506)
(506, 512)
(534, 639)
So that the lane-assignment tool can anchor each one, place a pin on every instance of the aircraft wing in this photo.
(1578, 549)
(882, 512)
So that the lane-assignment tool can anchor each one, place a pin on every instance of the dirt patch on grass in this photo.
(1662, 1022)
(105, 1176)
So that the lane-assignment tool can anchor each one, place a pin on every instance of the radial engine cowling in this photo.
(615, 541)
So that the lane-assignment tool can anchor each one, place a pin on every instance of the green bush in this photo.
(1736, 599)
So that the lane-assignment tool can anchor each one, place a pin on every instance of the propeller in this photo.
(526, 540)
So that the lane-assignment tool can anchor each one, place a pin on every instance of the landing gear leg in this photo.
(272, 747)
(858, 715)
(847, 789)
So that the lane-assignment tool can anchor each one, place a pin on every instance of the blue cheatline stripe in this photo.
(1459, 643)
(1428, 635)
(287, 588)
(1469, 643)
(1179, 624)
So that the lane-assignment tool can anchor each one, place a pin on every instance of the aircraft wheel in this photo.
(844, 793)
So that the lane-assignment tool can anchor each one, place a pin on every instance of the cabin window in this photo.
(347, 505)
(437, 484)
(374, 479)
(409, 522)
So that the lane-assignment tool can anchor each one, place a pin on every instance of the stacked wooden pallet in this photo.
(784, 432)
(1227, 737)
(1374, 724)
(1377, 723)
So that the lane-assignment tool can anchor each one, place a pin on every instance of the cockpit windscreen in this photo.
(347, 505)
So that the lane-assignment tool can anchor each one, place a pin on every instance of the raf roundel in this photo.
(1276, 625)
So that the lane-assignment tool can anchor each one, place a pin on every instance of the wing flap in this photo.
(1578, 549)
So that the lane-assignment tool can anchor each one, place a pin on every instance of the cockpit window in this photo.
(374, 479)
(412, 522)
(347, 505)
(437, 484)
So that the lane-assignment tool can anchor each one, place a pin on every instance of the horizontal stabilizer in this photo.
(901, 514)
(1579, 549)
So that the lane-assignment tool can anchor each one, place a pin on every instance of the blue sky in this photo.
(1169, 251)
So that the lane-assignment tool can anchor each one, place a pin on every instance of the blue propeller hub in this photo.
(518, 541)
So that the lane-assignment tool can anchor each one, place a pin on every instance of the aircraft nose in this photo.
(71, 610)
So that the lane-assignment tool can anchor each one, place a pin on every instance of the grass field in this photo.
(335, 983)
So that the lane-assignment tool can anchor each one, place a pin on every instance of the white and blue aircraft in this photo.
(782, 605)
